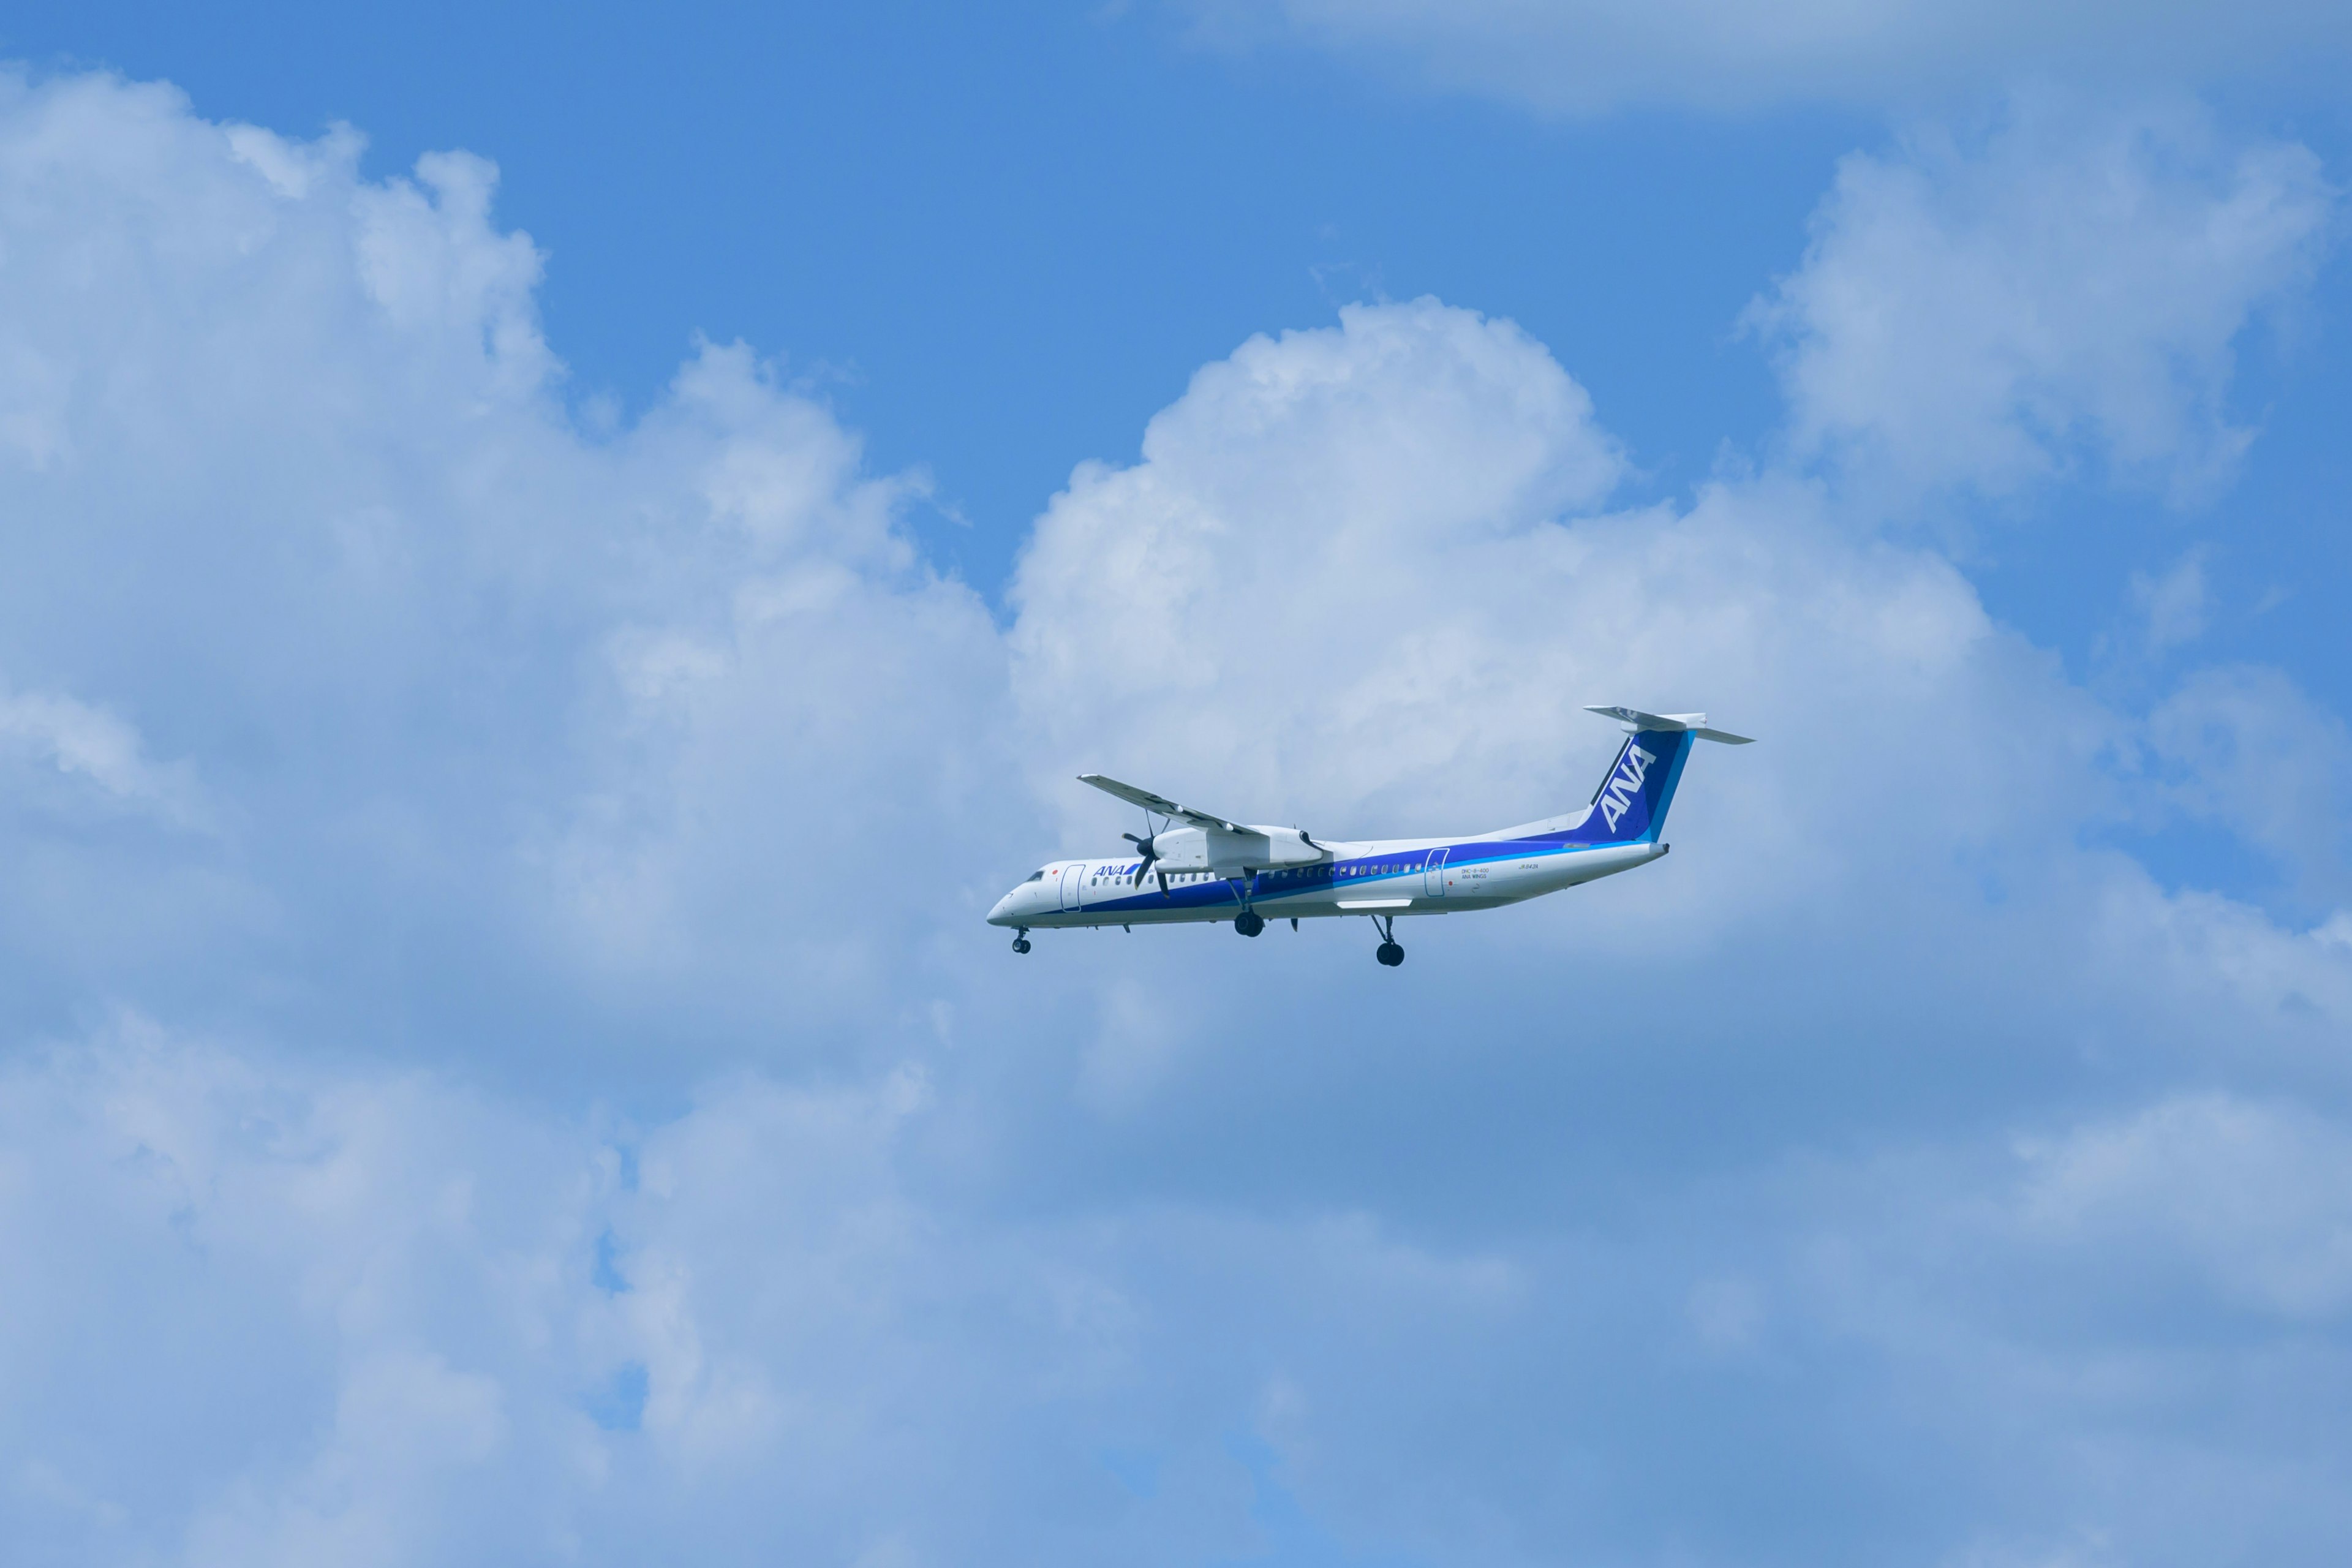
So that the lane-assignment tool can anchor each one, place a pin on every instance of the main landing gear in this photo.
(1021, 940)
(1249, 922)
(1387, 952)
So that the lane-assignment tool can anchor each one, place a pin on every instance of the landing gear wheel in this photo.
(1389, 953)
(1021, 942)
(1249, 922)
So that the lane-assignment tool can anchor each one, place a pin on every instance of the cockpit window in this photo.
(1035, 876)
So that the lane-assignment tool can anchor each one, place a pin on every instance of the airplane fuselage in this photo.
(1383, 877)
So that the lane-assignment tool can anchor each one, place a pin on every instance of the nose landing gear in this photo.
(1021, 940)
(1389, 953)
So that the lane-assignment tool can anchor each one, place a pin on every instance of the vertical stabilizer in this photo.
(1630, 807)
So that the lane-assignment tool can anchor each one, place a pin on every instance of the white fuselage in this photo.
(1382, 877)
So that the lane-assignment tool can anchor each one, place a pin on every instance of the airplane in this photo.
(1212, 869)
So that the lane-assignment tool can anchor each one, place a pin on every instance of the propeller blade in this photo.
(1149, 844)
(1149, 852)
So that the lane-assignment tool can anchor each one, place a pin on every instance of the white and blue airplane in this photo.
(1212, 869)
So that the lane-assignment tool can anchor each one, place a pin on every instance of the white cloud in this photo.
(272, 1312)
(479, 692)
(1261, 586)
(1983, 313)
(285, 1315)
(430, 260)
(1584, 57)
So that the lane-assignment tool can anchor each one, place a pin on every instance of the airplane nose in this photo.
(996, 917)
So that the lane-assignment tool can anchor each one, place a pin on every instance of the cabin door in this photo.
(1433, 876)
(1074, 882)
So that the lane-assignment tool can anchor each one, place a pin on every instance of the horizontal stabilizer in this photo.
(1633, 718)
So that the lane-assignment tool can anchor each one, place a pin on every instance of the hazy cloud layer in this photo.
(502, 1063)
(1589, 57)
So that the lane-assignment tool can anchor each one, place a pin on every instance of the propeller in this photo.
(1147, 844)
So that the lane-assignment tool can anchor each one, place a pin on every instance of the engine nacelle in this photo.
(1226, 854)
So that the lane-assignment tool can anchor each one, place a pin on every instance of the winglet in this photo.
(1635, 719)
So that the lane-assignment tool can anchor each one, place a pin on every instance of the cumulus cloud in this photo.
(489, 696)
(1188, 607)
(1985, 312)
(562, 1179)
(373, 1316)
(288, 1314)
(1588, 57)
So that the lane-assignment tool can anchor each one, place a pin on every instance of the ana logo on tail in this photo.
(1617, 795)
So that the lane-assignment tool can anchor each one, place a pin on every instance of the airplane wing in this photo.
(1159, 802)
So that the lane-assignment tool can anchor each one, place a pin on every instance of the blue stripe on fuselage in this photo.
(1323, 881)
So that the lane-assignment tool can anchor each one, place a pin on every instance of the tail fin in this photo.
(1630, 807)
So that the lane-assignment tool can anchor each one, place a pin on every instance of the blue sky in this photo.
(558, 565)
